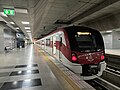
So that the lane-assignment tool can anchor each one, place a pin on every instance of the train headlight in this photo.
(74, 57)
(102, 57)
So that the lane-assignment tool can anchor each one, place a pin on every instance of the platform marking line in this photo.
(70, 81)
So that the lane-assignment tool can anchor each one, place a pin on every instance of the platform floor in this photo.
(113, 51)
(27, 69)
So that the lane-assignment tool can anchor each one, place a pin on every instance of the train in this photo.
(79, 48)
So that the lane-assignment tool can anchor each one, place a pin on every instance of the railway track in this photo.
(101, 84)
(113, 69)
(96, 85)
(112, 75)
(109, 80)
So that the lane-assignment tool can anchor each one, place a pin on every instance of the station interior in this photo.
(25, 65)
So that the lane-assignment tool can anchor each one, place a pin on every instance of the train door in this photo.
(51, 45)
(60, 56)
(54, 45)
(45, 44)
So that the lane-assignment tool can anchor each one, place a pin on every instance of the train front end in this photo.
(87, 50)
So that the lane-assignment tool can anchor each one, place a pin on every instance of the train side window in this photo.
(60, 41)
(42, 42)
(47, 42)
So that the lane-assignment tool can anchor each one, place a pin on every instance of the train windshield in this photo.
(85, 40)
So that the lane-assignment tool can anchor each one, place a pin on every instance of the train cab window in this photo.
(84, 39)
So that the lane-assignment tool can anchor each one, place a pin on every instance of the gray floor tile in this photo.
(21, 58)
(4, 74)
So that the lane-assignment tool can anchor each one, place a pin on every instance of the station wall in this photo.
(112, 40)
(9, 38)
(110, 21)
(107, 37)
(116, 39)
(1, 39)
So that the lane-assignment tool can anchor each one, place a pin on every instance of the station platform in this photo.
(29, 69)
(113, 58)
(113, 52)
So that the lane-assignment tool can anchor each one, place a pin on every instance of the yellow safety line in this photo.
(72, 83)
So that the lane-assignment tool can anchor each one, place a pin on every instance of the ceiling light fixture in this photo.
(108, 31)
(19, 72)
(27, 80)
(28, 31)
(2, 14)
(27, 27)
(17, 28)
(15, 82)
(12, 23)
(20, 10)
(23, 22)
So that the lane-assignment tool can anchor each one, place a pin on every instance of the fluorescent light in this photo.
(27, 80)
(108, 31)
(29, 65)
(15, 82)
(12, 23)
(27, 27)
(28, 31)
(19, 10)
(28, 71)
(2, 14)
(19, 72)
(17, 28)
(23, 22)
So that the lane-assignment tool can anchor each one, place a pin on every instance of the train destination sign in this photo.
(9, 11)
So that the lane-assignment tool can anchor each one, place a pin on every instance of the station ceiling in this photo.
(45, 15)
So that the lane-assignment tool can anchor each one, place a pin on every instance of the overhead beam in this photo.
(62, 22)
(94, 9)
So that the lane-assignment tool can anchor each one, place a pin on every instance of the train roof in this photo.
(82, 27)
(67, 28)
